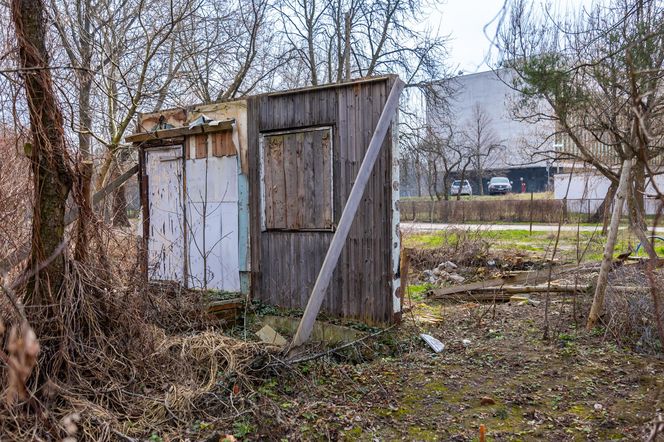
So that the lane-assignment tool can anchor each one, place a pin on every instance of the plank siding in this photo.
(286, 263)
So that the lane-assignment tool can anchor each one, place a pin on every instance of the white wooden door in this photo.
(212, 223)
(166, 239)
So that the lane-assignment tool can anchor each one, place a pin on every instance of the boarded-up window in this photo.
(219, 144)
(297, 180)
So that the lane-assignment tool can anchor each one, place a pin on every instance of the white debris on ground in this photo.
(444, 272)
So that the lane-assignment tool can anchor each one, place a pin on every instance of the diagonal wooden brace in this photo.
(347, 216)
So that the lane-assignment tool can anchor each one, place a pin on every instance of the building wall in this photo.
(490, 91)
(285, 263)
(214, 199)
(587, 190)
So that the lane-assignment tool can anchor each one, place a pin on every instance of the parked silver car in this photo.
(499, 185)
(466, 189)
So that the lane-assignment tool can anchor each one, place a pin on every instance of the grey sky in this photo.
(464, 22)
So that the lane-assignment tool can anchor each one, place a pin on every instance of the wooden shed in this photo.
(245, 196)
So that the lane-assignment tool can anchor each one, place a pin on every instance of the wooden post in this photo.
(347, 216)
(600, 288)
(531, 211)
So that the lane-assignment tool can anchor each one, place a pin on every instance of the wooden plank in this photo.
(339, 156)
(534, 277)
(293, 272)
(278, 186)
(326, 176)
(215, 144)
(223, 144)
(382, 309)
(290, 181)
(189, 141)
(178, 132)
(371, 252)
(309, 181)
(268, 183)
(302, 191)
(316, 195)
(254, 181)
(544, 288)
(347, 216)
(345, 184)
(201, 146)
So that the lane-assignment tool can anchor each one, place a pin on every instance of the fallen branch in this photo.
(517, 290)
(341, 347)
(505, 293)
(533, 277)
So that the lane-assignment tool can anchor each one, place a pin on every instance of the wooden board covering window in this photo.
(201, 146)
(297, 180)
(221, 145)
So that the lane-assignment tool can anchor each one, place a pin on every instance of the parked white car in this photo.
(499, 185)
(466, 188)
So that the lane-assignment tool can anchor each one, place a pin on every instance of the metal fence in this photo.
(507, 210)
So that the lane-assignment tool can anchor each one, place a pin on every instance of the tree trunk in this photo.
(85, 210)
(347, 45)
(604, 210)
(119, 211)
(446, 186)
(50, 168)
(85, 175)
(638, 194)
(480, 176)
(461, 180)
(602, 279)
(120, 218)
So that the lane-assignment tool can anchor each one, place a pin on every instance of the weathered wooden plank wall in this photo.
(297, 171)
(285, 263)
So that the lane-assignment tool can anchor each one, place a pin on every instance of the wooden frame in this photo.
(261, 156)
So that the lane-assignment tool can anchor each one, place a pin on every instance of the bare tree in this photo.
(482, 142)
(231, 50)
(303, 23)
(337, 39)
(48, 153)
(444, 157)
(600, 72)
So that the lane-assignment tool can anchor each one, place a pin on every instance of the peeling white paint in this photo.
(396, 234)
(166, 240)
(212, 223)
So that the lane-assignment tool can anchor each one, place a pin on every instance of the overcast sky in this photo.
(464, 22)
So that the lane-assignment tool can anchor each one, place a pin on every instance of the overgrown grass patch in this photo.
(572, 245)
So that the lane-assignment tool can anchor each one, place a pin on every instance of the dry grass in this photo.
(463, 247)
(630, 317)
(123, 360)
(15, 194)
